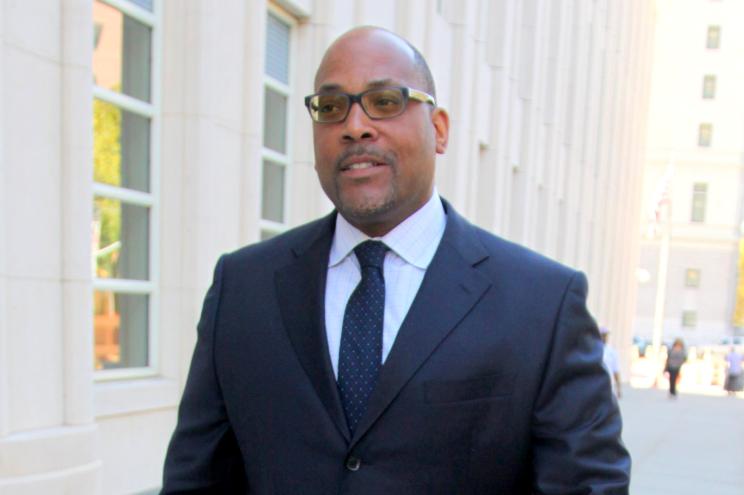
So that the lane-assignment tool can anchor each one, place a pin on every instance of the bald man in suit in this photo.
(392, 347)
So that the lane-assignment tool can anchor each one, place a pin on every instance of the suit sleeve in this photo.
(577, 447)
(203, 455)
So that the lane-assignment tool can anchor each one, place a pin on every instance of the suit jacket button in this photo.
(353, 463)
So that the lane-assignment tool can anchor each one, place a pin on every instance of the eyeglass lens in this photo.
(377, 104)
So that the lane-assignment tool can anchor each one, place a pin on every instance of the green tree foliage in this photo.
(107, 170)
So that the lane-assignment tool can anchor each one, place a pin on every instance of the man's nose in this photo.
(358, 126)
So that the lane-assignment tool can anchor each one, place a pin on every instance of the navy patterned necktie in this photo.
(360, 354)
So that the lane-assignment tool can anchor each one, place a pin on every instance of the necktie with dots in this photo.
(360, 354)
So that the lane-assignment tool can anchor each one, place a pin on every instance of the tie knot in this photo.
(371, 253)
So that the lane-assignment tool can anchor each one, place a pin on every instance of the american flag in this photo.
(661, 198)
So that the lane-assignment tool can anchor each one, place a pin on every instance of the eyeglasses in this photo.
(378, 104)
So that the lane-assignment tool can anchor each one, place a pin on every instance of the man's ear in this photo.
(440, 120)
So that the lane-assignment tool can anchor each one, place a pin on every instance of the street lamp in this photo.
(663, 222)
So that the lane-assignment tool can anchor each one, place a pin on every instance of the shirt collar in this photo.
(415, 239)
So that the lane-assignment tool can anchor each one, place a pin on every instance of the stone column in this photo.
(48, 442)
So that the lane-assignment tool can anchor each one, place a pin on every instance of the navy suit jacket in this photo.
(494, 384)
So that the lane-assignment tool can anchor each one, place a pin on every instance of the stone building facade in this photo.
(141, 139)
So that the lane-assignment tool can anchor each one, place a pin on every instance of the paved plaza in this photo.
(692, 445)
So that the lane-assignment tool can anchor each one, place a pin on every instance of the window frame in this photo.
(692, 278)
(713, 83)
(689, 318)
(708, 38)
(151, 199)
(265, 226)
(705, 143)
(696, 192)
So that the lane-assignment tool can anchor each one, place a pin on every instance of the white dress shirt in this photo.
(412, 245)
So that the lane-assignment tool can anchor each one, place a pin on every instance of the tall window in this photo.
(714, 37)
(699, 200)
(705, 135)
(125, 179)
(709, 87)
(275, 151)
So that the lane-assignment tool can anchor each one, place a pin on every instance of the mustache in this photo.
(366, 150)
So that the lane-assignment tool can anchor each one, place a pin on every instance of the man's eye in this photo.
(328, 105)
(384, 102)
(327, 108)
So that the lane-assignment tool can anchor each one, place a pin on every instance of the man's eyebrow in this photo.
(381, 83)
(326, 88)
(377, 83)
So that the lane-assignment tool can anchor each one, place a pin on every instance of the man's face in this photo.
(376, 172)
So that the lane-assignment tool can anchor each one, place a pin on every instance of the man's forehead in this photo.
(366, 57)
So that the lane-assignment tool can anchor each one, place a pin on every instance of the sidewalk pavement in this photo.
(691, 445)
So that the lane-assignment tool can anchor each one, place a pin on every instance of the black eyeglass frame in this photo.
(408, 94)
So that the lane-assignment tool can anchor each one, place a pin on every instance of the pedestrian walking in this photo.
(675, 359)
(734, 376)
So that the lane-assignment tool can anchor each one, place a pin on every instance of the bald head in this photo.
(373, 43)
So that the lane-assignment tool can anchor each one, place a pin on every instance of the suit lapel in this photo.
(301, 293)
(450, 289)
